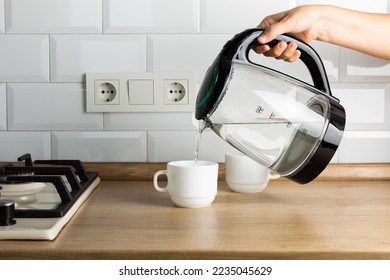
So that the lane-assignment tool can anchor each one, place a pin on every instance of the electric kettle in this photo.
(288, 125)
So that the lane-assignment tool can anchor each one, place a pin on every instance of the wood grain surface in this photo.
(130, 220)
(133, 171)
(144, 171)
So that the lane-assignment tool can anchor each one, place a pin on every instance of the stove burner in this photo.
(7, 210)
(66, 180)
(20, 189)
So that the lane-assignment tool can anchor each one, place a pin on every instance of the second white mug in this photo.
(245, 175)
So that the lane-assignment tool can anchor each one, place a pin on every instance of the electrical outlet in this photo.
(175, 92)
(140, 92)
(106, 92)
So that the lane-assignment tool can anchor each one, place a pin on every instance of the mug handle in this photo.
(155, 180)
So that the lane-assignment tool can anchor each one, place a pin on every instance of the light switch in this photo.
(141, 91)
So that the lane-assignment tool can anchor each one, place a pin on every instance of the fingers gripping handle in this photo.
(155, 180)
(308, 56)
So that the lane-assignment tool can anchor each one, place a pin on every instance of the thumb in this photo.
(271, 32)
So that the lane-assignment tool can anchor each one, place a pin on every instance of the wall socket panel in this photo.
(141, 92)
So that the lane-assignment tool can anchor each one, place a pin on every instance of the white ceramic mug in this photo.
(190, 185)
(243, 174)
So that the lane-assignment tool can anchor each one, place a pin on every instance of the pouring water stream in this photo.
(202, 126)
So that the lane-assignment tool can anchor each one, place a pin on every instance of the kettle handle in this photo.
(308, 56)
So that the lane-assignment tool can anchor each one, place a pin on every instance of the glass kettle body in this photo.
(283, 123)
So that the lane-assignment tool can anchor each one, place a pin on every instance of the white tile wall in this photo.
(357, 67)
(365, 147)
(24, 58)
(330, 56)
(230, 16)
(59, 16)
(182, 52)
(2, 16)
(367, 105)
(74, 55)
(151, 16)
(97, 146)
(180, 145)
(49, 107)
(14, 144)
(3, 107)
(47, 46)
(148, 121)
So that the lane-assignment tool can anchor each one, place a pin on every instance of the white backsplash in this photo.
(151, 16)
(110, 146)
(1, 16)
(47, 46)
(3, 108)
(48, 16)
(74, 55)
(24, 58)
(60, 108)
(232, 16)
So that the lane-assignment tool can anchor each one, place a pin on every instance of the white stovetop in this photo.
(44, 228)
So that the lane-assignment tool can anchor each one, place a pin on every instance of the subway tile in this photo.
(228, 16)
(354, 66)
(48, 16)
(365, 147)
(3, 107)
(169, 52)
(148, 121)
(183, 52)
(75, 55)
(165, 146)
(36, 106)
(366, 105)
(151, 16)
(98, 146)
(187, 42)
(378, 6)
(24, 58)
(16, 143)
(358, 67)
(330, 56)
(2, 16)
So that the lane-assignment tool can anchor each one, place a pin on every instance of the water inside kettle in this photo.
(273, 121)
(289, 125)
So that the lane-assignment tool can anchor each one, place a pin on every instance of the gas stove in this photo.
(38, 198)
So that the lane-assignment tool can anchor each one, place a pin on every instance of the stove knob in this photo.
(7, 212)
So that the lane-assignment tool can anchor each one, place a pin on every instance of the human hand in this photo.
(282, 50)
(300, 22)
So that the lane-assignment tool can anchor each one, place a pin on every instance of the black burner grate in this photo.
(50, 171)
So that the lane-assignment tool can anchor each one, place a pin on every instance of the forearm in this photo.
(365, 32)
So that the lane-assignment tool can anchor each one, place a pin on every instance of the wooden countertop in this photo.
(324, 219)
